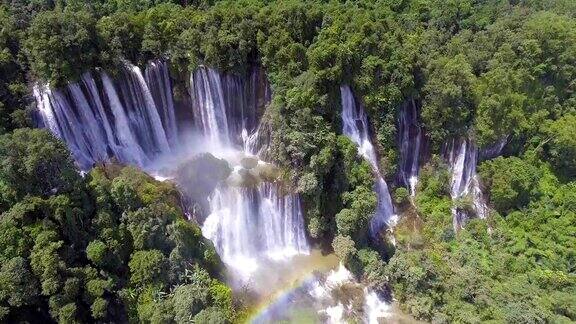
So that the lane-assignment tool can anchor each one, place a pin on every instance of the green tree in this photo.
(121, 36)
(511, 182)
(61, 45)
(12, 84)
(448, 104)
(18, 286)
(147, 267)
(562, 145)
(32, 162)
(188, 301)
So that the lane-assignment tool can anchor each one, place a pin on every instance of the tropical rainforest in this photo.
(113, 244)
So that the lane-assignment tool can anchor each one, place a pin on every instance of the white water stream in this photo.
(355, 127)
(462, 157)
(410, 143)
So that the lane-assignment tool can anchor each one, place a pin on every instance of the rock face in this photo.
(197, 179)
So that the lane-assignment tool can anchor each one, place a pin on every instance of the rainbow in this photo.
(265, 309)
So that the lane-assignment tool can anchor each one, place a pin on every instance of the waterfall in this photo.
(142, 111)
(131, 151)
(410, 140)
(251, 224)
(158, 81)
(462, 157)
(248, 225)
(259, 226)
(355, 124)
(100, 114)
(100, 118)
(76, 114)
(228, 107)
(57, 115)
(132, 118)
(206, 92)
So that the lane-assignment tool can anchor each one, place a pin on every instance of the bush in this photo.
(401, 196)
(147, 267)
(99, 308)
(344, 248)
(212, 315)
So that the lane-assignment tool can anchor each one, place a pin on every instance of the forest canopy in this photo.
(113, 245)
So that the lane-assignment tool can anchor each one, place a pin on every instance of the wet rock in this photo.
(244, 178)
(249, 162)
(268, 172)
(199, 176)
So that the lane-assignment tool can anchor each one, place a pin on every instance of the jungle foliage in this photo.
(487, 70)
(111, 246)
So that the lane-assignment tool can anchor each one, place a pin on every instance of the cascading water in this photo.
(84, 124)
(206, 92)
(123, 131)
(100, 119)
(227, 107)
(160, 85)
(142, 111)
(58, 116)
(248, 225)
(462, 157)
(410, 141)
(355, 124)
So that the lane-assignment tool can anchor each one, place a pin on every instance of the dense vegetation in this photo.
(111, 246)
(517, 267)
(487, 70)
